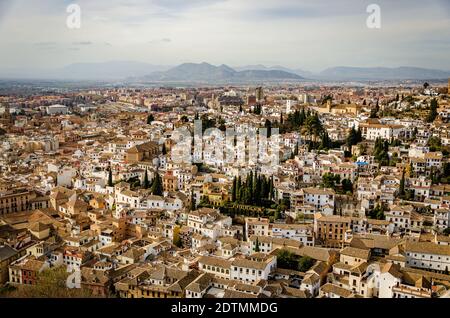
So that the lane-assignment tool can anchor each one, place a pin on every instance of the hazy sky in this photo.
(311, 35)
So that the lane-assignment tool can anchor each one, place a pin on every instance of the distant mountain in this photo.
(204, 72)
(210, 73)
(109, 70)
(261, 67)
(382, 73)
(115, 70)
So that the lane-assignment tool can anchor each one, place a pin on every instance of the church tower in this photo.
(5, 117)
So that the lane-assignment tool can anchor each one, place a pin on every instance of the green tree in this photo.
(193, 207)
(287, 260)
(330, 180)
(157, 187)
(257, 249)
(378, 212)
(150, 119)
(380, 152)
(347, 186)
(434, 143)
(305, 263)
(234, 190)
(401, 191)
(375, 110)
(146, 184)
(268, 126)
(354, 137)
(176, 237)
(433, 111)
(110, 178)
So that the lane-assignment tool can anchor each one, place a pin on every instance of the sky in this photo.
(310, 35)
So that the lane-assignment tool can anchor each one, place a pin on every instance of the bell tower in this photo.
(5, 117)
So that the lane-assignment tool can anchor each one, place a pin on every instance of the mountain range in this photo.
(382, 73)
(204, 72)
(222, 73)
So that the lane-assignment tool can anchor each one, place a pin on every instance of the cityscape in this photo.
(196, 177)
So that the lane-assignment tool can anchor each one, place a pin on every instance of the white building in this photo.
(254, 268)
(428, 255)
(57, 110)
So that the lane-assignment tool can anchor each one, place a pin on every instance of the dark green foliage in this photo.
(268, 126)
(434, 143)
(146, 184)
(288, 260)
(377, 213)
(330, 180)
(305, 263)
(326, 99)
(157, 187)
(150, 119)
(110, 178)
(401, 191)
(257, 190)
(354, 137)
(433, 111)
(257, 249)
(207, 122)
(374, 111)
(380, 152)
(347, 186)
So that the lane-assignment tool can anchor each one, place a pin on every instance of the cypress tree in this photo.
(401, 190)
(271, 194)
(193, 207)
(110, 178)
(146, 181)
(234, 190)
(258, 189)
(157, 187)
(257, 250)
(150, 119)
(433, 111)
(238, 189)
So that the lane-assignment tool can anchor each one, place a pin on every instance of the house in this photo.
(428, 255)
(145, 151)
(215, 266)
(331, 230)
(333, 291)
(256, 226)
(253, 268)
(25, 270)
(299, 232)
(7, 256)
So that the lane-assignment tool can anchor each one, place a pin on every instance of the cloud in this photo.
(45, 44)
(163, 40)
(82, 43)
(293, 33)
